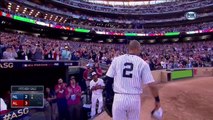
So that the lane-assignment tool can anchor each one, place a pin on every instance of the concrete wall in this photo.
(203, 72)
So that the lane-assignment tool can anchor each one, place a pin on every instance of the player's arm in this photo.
(153, 88)
(102, 85)
(109, 87)
(92, 87)
(149, 81)
(110, 77)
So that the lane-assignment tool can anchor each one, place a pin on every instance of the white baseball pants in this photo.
(126, 107)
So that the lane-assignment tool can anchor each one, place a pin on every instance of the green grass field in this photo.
(181, 74)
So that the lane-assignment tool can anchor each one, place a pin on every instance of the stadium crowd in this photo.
(150, 9)
(122, 24)
(159, 56)
(122, 28)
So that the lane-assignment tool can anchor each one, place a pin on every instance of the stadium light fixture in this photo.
(24, 11)
(61, 19)
(175, 39)
(56, 18)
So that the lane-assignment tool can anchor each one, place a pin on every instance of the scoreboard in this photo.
(27, 96)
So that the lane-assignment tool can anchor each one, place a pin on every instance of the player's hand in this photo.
(157, 106)
(157, 112)
(99, 87)
(94, 87)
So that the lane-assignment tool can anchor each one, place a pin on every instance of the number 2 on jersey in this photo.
(127, 71)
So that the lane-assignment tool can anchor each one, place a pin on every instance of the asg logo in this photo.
(6, 65)
(15, 115)
(191, 15)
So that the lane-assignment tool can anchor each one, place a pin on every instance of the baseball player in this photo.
(130, 72)
(96, 86)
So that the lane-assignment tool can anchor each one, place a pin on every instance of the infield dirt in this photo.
(189, 99)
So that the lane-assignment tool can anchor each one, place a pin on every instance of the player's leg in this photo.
(93, 107)
(100, 103)
(119, 108)
(134, 108)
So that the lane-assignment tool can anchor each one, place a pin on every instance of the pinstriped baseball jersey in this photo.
(129, 73)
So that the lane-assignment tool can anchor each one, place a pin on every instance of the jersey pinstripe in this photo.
(129, 73)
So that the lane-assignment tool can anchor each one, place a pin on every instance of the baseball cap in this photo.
(94, 73)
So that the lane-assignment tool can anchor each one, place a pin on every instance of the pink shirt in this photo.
(61, 90)
(73, 95)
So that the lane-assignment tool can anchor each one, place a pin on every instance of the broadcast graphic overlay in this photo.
(27, 96)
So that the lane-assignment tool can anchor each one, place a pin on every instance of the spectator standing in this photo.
(65, 53)
(87, 75)
(98, 70)
(50, 96)
(56, 54)
(75, 56)
(48, 54)
(24, 53)
(38, 52)
(10, 53)
(96, 86)
(61, 100)
(1, 50)
(73, 96)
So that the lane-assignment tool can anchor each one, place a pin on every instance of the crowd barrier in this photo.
(162, 76)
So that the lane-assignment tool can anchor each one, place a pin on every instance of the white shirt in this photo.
(3, 105)
(98, 82)
(129, 73)
(163, 64)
